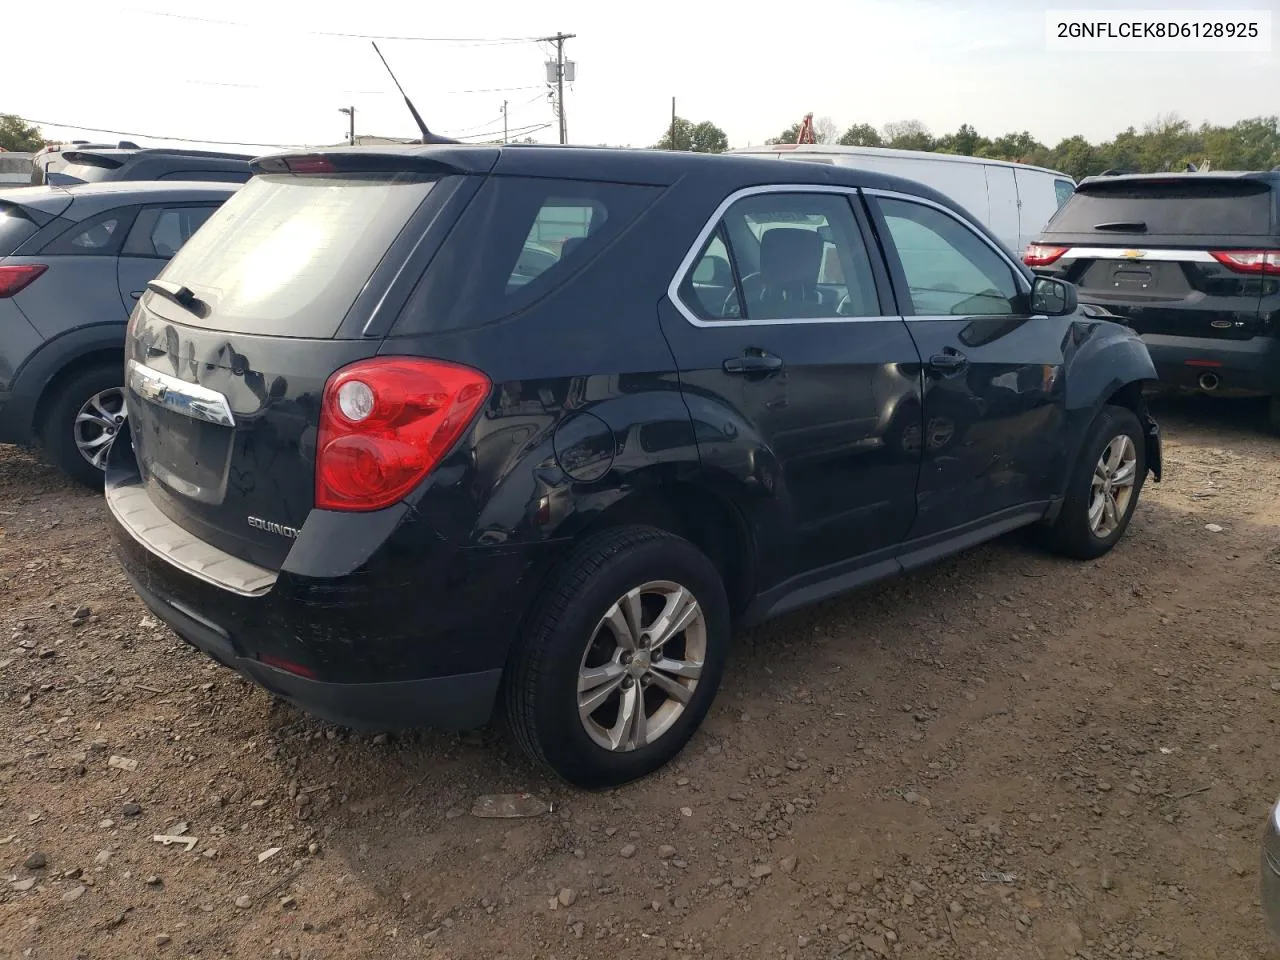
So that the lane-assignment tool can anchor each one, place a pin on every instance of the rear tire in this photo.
(579, 701)
(1098, 504)
(85, 414)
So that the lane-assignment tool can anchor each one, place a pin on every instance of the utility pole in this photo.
(559, 40)
(351, 135)
(673, 123)
(504, 121)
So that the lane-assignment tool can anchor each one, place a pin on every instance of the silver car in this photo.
(73, 261)
(1270, 879)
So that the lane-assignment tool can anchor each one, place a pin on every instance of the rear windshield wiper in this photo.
(1127, 226)
(179, 294)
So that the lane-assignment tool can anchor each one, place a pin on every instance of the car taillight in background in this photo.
(18, 277)
(1249, 261)
(385, 423)
(1041, 255)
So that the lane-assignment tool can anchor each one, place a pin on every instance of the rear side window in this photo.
(100, 236)
(88, 172)
(161, 231)
(1187, 206)
(15, 229)
(519, 239)
(288, 255)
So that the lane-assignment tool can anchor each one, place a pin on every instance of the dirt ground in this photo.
(1006, 756)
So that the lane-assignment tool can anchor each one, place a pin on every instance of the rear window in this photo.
(15, 229)
(1185, 207)
(287, 256)
(88, 172)
(518, 240)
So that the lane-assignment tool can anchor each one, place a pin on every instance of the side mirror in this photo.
(1055, 298)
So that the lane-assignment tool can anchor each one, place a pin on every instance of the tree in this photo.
(1018, 147)
(862, 135)
(788, 135)
(908, 135)
(703, 137)
(965, 142)
(825, 130)
(17, 136)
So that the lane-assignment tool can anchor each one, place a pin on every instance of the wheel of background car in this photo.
(1274, 414)
(622, 659)
(81, 421)
(1104, 487)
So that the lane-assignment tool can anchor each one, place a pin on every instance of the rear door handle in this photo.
(948, 362)
(137, 294)
(753, 363)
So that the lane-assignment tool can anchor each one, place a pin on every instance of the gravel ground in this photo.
(1006, 756)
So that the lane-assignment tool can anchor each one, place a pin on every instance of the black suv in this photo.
(87, 165)
(394, 469)
(1190, 261)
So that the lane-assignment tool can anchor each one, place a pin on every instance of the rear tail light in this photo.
(18, 277)
(1249, 261)
(308, 164)
(1041, 255)
(386, 423)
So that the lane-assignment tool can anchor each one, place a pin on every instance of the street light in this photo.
(350, 112)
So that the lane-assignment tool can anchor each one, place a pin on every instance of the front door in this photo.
(993, 396)
(787, 347)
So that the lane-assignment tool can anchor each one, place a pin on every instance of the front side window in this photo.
(783, 256)
(950, 270)
(1063, 189)
(161, 231)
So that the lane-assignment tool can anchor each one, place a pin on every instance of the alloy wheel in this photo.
(97, 423)
(641, 666)
(1111, 492)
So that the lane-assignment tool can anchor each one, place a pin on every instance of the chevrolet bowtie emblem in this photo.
(1134, 254)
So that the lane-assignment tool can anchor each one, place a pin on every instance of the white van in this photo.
(1014, 200)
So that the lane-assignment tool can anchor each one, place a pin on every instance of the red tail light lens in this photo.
(1041, 255)
(386, 423)
(308, 164)
(1249, 261)
(18, 277)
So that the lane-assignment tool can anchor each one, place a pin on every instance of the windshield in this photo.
(287, 255)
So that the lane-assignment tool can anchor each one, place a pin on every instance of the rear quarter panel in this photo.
(73, 292)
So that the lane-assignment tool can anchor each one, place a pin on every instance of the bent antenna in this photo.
(427, 135)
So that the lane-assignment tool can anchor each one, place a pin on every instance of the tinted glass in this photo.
(1063, 189)
(950, 270)
(1185, 206)
(100, 236)
(88, 172)
(799, 256)
(14, 230)
(287, 256)
(519, 239)
(174, 227)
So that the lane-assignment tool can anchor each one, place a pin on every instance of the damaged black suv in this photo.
(421, 431)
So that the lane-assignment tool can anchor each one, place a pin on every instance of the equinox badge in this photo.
(271, 526)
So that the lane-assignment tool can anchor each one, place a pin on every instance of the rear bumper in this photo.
(417, 636)
(1251, 366)
(457, 702)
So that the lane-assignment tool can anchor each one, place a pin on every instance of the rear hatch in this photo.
(229, 351)
(1185, 255)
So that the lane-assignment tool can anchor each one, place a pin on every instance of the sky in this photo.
(277, 73)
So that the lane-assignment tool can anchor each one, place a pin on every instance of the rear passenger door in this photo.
(157, 234)
(786, 344)
(994, 404)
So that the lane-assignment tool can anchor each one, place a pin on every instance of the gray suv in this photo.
(73, 261)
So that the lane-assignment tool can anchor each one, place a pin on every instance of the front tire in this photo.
(82, 420)
(1104, 488)
(622, 659)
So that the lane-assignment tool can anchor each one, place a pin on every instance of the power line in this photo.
(354, 93)
(462, 41)
(518, 132)
(151, 136)
(500, 118)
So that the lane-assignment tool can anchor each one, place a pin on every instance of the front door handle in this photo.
(753, 363)
(136, 294)
(948, 362)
